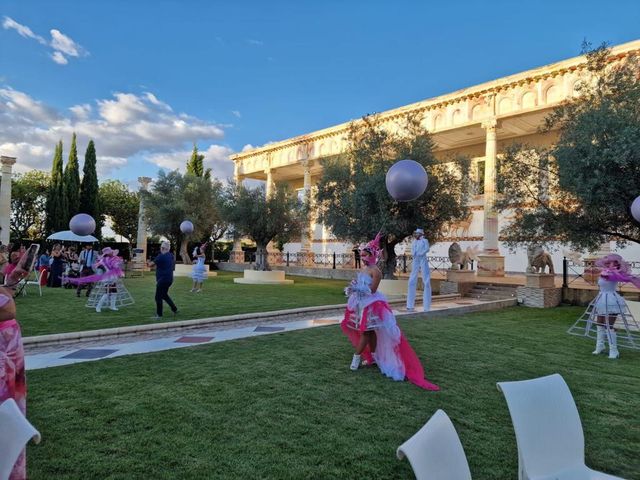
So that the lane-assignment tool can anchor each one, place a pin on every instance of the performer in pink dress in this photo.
(371, 325)
(13, 382)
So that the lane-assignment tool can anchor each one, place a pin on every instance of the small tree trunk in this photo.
(184, 254)
(262, 260)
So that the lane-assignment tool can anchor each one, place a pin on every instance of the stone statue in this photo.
(462, 260)
(538, 260)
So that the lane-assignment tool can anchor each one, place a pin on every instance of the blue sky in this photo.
(146, 79)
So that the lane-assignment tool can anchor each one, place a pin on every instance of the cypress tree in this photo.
(72, 180)
(89, 192)
(56, 197)
(195, 165)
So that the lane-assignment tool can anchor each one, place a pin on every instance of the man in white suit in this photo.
(419, 250)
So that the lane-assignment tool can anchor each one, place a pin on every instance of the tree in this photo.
(28, 204)
(279, 217)
(175, 198)
(195, 165)
(89, 191)
(72, 180)
(352, 199)
(56, 196)
(579, 190)
(122, 206)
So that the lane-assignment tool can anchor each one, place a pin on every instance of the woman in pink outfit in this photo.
(12, 372)
(371, 325)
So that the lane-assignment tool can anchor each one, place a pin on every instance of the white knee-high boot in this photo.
(613, 344)
(355, 362)
(101, 302)
(599, 340)
(113, 297)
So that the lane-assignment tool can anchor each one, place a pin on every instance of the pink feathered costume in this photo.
(368, 311)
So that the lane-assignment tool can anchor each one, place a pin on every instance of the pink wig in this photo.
(613, 257)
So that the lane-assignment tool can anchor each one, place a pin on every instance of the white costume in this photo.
(199, 271)
(419, 250)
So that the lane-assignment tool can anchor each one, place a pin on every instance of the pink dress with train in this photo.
(368, 311)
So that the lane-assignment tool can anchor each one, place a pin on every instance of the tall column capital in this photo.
(7, 161)
(144, 182)
(490, 125)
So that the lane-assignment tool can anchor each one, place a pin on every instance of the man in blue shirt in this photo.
(164, 263)
(86, 260)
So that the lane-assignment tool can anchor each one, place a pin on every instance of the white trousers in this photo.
(420, 265)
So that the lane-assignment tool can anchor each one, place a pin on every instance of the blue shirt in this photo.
(164, 267)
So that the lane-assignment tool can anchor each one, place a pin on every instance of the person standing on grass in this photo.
(164, 263)
(420, 263)
(13, 384)
(371, 326)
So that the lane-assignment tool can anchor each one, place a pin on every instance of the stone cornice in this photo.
(482, 90)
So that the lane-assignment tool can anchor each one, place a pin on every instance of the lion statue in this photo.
(538, 260)
(462, 260)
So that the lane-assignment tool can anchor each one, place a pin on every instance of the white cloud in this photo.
(236, 113)
(64, 44)
(59, 58)
(81, 111)
(9, 23)
(124, 126)
(216, 157)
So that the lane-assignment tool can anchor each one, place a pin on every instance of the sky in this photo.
(148, 79)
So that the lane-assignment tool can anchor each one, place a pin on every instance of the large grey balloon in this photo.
(406, 180)
(635, 209)
(82, 224)
(186, 227)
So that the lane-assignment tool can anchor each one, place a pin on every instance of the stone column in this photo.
(5, 199)
(307, 232)
(490, 262)
(141, 238)
(269, 184)
(237, 255)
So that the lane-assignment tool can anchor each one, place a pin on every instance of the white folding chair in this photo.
(34, 282)
(435, 451)
(15, 432)
(548, 430)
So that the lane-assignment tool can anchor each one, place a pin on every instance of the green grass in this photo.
(59, 310)
(286, 406)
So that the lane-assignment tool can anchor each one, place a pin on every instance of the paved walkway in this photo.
(97, 349)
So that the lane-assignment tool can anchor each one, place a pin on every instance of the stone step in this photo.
(485, 296)
(497, 291)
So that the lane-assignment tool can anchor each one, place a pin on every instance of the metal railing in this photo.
(587, 271)
(404, 263)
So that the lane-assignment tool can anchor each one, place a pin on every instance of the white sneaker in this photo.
(355, 362)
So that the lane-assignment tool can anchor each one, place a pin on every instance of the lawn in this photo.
(59, 310)
(286, 406)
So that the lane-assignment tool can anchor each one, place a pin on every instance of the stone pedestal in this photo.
(462, 288)
(394, 287)
(461, 276)
(182, 270)
(490, 265)
(539, 297)
(272, 277)
(540, 280)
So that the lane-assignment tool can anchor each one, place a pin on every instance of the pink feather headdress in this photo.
(613, 257)
(373, 247)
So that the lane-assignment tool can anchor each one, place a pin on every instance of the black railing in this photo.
(587, 271)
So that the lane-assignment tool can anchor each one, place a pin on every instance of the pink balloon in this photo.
(635, 209)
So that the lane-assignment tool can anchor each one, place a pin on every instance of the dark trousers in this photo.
(162, 293)
(86, 271)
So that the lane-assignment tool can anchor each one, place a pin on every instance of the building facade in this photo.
(478, 122)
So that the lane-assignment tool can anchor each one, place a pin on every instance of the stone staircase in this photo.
(489, 291)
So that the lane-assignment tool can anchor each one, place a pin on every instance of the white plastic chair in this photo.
(548, 430)
(34, 282)
(15, 432)
(435, 451)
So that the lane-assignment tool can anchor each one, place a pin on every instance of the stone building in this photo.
(478, 122)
